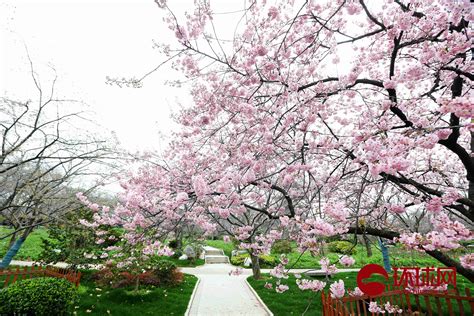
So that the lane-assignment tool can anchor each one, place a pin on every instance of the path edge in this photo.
(269, 312)
(193, 295)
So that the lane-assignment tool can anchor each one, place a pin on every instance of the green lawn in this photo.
(226, 246)
(31, 248)
(147, 301)
(398, 257)
(295, 301)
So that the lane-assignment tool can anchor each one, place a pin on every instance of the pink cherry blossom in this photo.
(467, 261)
(261, 51)
(356, 292)
(236, 271)
(392, 309)
(327, 267)
(268, 285)
(337, 289)
(273, 12)
(200, 186)
(281, 288)
(375, 308)
(277, 141)
(279, 272)
(346, 261)
(313, 285)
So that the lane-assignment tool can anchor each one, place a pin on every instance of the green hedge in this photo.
(264, 260)
(39, 297)
(165, 271)
(282, 246)
(343, 247)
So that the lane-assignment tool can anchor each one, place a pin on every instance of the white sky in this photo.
(85, 41)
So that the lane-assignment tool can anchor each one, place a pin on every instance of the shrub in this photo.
(105, 277)
(173, 244)
(235, 242)
(333, 238)
(130, 279)
(264, 260)
(156, 271)
(239, 259)
(68, 241)
(165, 271)
(39, 296)
(281, 246)
(177, 253)
(267, 260)
(342, 247)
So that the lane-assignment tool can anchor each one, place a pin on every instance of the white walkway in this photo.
(219, 293)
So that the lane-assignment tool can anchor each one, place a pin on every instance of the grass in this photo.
(147, 301)
(398, 257)
(295, 301)
(31, 248)
(226, 246)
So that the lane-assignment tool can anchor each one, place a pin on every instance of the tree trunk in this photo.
(12, 240)
(368, 247)
(386, 258)
(13, 250)
(471, 181)
(137, 283)
(11, 253)
(255, 267)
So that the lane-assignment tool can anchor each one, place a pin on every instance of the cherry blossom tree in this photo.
(46, 153)
(319, 118)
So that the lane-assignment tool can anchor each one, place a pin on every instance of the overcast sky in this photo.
(85, 41)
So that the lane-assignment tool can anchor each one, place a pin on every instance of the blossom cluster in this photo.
(387, 307)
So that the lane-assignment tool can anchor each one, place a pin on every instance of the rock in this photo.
(183, 257)
(189, 251)
(247, 262)
(238, 252)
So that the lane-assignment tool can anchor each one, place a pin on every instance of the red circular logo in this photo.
(371, 288)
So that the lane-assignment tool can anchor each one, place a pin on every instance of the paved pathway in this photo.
(219, 293)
